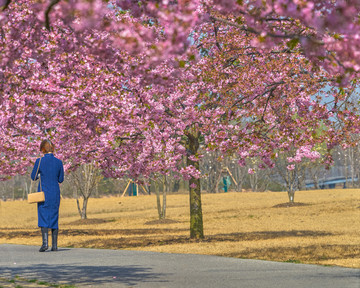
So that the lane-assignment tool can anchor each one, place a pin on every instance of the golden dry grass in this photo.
(244, 225)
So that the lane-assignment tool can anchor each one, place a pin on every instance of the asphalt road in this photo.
(122, 268)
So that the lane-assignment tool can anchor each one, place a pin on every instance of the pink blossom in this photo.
(291, 167)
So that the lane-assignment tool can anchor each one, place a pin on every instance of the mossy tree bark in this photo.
(196, 219)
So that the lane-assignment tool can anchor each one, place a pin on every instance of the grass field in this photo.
(323, 230)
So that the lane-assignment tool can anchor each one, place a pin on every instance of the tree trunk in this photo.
(254, 182)
(85, 180)
(291, 185)
(352, 160)
(82, 211)
(356, 168)
(215, 183)
(301, 179)
(196, 219)
(165, 189)
(346, 169)
(176, 185)
(239, 179)
(25, 191)
(316, 181)
(291, 193)
(158, 202)
(97, 190)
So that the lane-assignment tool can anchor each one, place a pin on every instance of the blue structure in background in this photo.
(331, 182)
(132, 189)
(227, 183)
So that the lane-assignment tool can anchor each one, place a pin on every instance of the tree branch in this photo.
(7, 3)
(47, 13)
(236, 25)
(267, 102)
(215, 31)
(252, 30)
(270, 90)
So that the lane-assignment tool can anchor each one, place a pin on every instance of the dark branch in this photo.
(45, 92)
(215, 31)
(7, 3)
(272, 86)
(267, 102)
(234, 24)
(252, 30)
(279, 19)
(47, 13)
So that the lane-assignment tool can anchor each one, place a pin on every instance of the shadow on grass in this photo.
(130, 238)
(97, 276)
(306, 254)
(156, 240)
(26, 233)
(291, 204)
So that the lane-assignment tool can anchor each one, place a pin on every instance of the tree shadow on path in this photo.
(98, 276)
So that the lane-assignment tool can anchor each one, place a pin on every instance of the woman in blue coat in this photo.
(51, 172)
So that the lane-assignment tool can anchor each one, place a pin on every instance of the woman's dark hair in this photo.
(46, 146)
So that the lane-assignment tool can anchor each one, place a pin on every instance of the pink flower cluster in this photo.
(127, 88)
(190, 171)
(304, 152)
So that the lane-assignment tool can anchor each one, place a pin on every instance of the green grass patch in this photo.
(293, 261)
(40, 283)
(44, 283)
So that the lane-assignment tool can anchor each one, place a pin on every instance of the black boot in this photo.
(45, 237)
(54, 236)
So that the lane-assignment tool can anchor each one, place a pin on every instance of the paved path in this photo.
(122, 268)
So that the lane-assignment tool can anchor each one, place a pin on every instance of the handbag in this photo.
(37, 196)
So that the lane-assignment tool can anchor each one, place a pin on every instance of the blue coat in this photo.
(51, 172)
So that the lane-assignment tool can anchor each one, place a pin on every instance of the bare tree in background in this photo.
(260, 177)
(289, 176)
(239, 173)
(16, 187)
(164, 182)
(211, 167)
(7, 189)
(85, 179)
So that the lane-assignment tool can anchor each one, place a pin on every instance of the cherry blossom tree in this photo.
(136, 89)
(326, 31)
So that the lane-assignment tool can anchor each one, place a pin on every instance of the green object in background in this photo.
(133, 189)
(227, 183)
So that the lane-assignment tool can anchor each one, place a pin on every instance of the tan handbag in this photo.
(37, 196)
